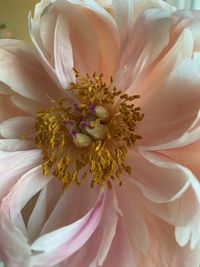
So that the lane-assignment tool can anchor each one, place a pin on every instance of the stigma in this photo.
(87, 133)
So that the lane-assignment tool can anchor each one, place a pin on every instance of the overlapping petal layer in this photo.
(149, 50)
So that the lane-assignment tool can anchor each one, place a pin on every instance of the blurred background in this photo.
(13, 15)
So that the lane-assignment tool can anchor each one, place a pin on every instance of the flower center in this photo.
(88, 132)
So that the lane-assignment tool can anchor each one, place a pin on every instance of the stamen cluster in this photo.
(88, 132)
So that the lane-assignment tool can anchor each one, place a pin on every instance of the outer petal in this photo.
(182, 154)
(61, 243)
(131, 206)
(28, 76)
(171, 109)
(23, 191)
(8, 109)
(179, 210)
(16, 145)
(27, 105)
(164, 250)
(86, 37)
(16, 127)
(13, 165)
(147, 38)
(160, 178)
(101, 241)
(122, 248)
(14, 247)
(192, 21)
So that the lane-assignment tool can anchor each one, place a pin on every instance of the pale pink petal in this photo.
(17, 126)
(14, 247)
(27, 105)
(192, 21)
(38, 215)
(8, 109)
(148, 37)
(16, 145)
(131, 204)
(13, 165)
(164, 250)
(121, 252)
(101, 241)
(159, 178)
(123, 14)
(172, 109)
(141, 5)
(182, 154)
(76, 196)
(88, 35)
(107, 231)
(25, 188)
(63, 53)
(153, 77)
(180, 214)
(190, 136)
(60, 244)
(4, 89)
(28, 77)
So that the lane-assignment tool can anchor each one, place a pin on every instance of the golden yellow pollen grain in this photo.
(89, 137)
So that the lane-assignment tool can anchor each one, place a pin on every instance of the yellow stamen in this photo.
(91, 136)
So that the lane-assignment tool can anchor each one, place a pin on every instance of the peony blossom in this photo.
(100, 137)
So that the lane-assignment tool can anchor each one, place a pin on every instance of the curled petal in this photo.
(28, 77)
(23, 191)
(13, 165)
(14, 247)
(159, 178)
(81, 43)
(16, 127)
(171, 110)
(62, 243)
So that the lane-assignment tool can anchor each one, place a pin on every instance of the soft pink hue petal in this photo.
(153, 77)
(171, 109)
(26, 187)
(16, 145)
(13, 165)
(28, 105)
(142, 5)
(14, 248)
(190, 136)
(89, 36)
(68, 199)
(192, 21)
(159, 178)
(38, 215)
(182, 154)
(123, 14)
(17, 126)
(8, 110)
(28, 76)
(164, 249)
(61, 243)
(121, 253)
(180, 214)
(140, 50)
(131, 205)
(101, 241)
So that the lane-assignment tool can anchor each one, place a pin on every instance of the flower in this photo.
(100, 137)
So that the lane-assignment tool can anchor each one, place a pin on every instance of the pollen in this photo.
(87, 133)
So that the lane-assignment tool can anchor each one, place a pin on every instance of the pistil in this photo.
(88, 138)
